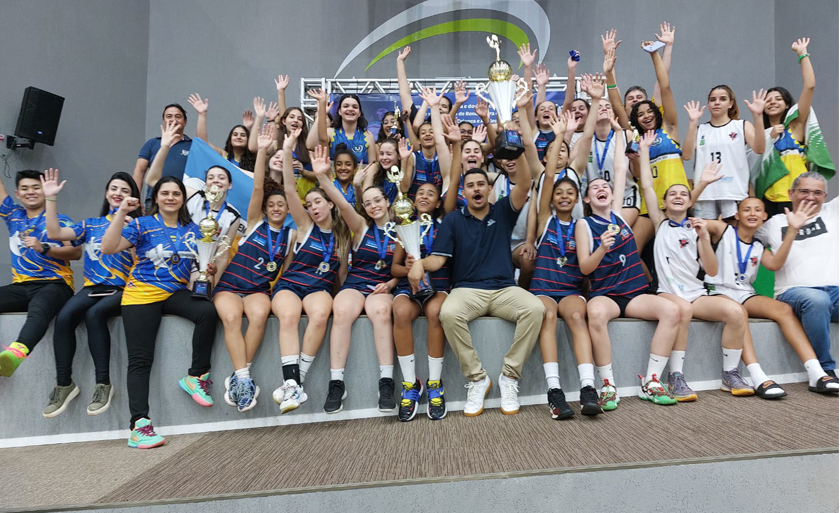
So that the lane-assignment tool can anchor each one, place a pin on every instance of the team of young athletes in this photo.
(599, 182)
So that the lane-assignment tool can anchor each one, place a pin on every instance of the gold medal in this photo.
(613, 229)
(323, 267)
(380, 265)
(175, 258)
(271, 267)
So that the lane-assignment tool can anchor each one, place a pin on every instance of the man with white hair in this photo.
(808, 281)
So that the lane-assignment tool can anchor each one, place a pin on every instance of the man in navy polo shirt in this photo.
(477, 239)
(175, 161)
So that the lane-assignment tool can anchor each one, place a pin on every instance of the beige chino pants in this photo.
(513, 304)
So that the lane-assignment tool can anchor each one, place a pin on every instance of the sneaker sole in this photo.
(486, 393)
(228, 400)
(738, 392)
(561, 416)
(64, 406)
(104, 408)
(340, 407)
(591, 410)
(652, 400)
(437, 418)
(291, 407)
(687, 398)
(195, 396)
(152, 446)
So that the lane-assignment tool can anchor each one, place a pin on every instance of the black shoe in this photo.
(557, 404)
(437, 404)
(411, 395)
(589, 401)
(336, 394)
(387, 403)
(831, 373)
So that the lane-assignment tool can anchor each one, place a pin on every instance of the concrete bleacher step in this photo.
(23, 397)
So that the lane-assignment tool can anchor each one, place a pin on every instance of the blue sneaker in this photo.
(231, 390)
(247, 393)
(437, 404)
(411, 394)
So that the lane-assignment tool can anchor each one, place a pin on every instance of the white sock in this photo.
(815, 371)
(407, 368)
(386, 371)
(677, 359)
(757, 374)
(656, 364)
(337, 374)
(731, 357)
(586, 371)
(552, 375)
(243, 373)
(289, 360)
(435, 368)
(305, 363)
(605, 372)
(249, 365)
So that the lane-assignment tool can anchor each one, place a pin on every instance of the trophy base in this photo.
(426, 292)
(508, 145)
(202, 290)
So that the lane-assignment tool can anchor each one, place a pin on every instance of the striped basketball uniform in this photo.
(620, 271)
(604, 152)
(364, 275)
(550, 278)
(792, 154)
(577, 210)
(542, 140)
(440, 278)
(111, 270)
(726, 282)
(677, 261)
(247, 272)
(302, 276)
(666, 166)
(163, 260)
(425, 171)
(358, 144)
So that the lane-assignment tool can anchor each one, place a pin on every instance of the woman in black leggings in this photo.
(157, 286)
(98, 301)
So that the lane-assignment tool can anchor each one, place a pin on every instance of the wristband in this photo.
(803, 56)
(611, 86)
(51, 199)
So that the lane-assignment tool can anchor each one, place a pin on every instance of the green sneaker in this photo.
(102, 395)
(198, 388)
(143, 436)
(654, 392)
(11, 358)
(60, 399)
(608, 398)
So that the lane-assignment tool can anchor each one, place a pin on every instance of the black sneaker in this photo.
(437, 403)
(336, 394)
(387, 403)
(589, 401)
(557, 404)
(831, 373)
(411, 395)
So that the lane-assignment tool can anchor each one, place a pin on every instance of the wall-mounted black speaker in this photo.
(39, 115)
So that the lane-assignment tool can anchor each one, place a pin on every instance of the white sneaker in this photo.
(476, 392)
(510, 394)
(292, 396)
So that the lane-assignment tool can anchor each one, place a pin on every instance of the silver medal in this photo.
(380, 265)
(323, 267)
(561, 261)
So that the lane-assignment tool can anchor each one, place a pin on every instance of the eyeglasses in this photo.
(374, 201)
(808, 192)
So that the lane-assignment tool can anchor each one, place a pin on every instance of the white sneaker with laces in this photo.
(476, 392)
(510, 394)
(293, 396)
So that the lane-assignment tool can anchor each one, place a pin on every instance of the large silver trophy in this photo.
(504, 93)
(408, 232)
(209, 247)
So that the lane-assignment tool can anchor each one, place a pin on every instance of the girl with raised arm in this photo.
(368, 288)
(349, 127)
(557, 282)
(724, 139)
(391, 153)
(156, 286)
(683, 253)
(99, 299)
(245, 285)
(607, 252)
(319, 256)
(236, 149)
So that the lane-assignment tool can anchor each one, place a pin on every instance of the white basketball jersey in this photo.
(725, 144)
(577, 210)
(728, 269)
(677, 261)
(197, 206)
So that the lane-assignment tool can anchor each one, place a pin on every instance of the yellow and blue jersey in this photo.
(792, 154)
(27, 263)
(359, 144)
(111, 270)
(666, 166)
(163, 262)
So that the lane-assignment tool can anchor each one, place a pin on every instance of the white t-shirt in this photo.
(813, 259)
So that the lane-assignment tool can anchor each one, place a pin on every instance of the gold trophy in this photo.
(504, 93)
(408, 232)
(209, 247)
(394, 130)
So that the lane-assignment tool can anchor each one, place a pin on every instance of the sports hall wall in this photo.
(118, 63)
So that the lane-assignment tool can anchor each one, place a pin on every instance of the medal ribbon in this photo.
(382, 246)
(327, 250)
(600, 159)
(742, 264)
(273, 248)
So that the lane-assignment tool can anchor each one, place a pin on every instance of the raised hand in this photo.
(129, 205)
(401, 56)
(461, 93)
(558, 124)
(290, 141)
(608, 41)
(666, 33)
(711, 173)
(757, 104)
(405, 151)
(450, 130)
(572, 123)
(609, 60)
(282, 82)
(272, 111)
(259, 106)
(607, 240)
(430, 96)
(695, 111)
(806, 210)
(700, 227)
(645, 43)
(479, 134)
(597, 88)
(647, 140)
(169, 135)
(320, 160)
(198, 104)
(318, 94)
(482, 110)
(542, 74)
(526, 100)
(586, 83)
(248, 119)
(800, 46)
(526, 56)
(50, 184)
(266, 136)
(571, 63)
(614, 124)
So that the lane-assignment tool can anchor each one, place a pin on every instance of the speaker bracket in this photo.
(13, 142)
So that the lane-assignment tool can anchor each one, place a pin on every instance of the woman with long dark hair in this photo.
(349, 127)
(236, 149)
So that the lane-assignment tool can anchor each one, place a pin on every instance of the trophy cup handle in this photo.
(521, 90)
(395, 174)
(426, 222)
(190, 242)
(224, 245)
(479, 91)
(390, 233)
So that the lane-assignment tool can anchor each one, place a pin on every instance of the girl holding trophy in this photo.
(246, 284)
